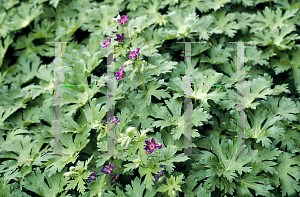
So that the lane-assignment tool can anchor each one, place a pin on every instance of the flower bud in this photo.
(142, 69)
(115, 20)
(72, 168)
(127, 63)
(130, 131)
(67, 174)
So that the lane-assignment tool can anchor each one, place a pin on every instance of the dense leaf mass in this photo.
(149, 91)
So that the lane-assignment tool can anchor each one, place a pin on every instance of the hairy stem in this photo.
(142, 77)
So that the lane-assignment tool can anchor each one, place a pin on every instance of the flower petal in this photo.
(147, 142)
(153, 141)
(146, 148)
(150, 151)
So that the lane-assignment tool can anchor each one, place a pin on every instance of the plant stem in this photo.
(87, 184)
(123, 30)
(127, 32)
(131, 82)
(142, 78)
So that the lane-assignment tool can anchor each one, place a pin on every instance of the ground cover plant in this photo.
(149, 94)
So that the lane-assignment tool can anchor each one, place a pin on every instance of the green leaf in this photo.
(35, 183)
(152, 91)
(283, 106)
(272, 19)
(78, 179)
(173, 185)
(256, 183)
(226, 24)
(257, 88)
(189, 190)
(277, 37)
(183, 23)
(203, 5)
(137, 188)
(4, 46)
(149, 177)
(217, 55)
(288, 174)
(70, 148)
(288, 140)
(222, 168)
(25, 153)
(140, 111)
(176, 118)
(161, 64)
(285, 62)
(262, 127)
(25, 14)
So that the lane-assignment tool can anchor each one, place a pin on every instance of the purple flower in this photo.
(159, 174)
(108, 169)
(151, 146)
(92, 177)
(106, 43)
(120, 74)
(120, 38)
(116, 120)
(115, 177)
(123, 19)
(134, 54)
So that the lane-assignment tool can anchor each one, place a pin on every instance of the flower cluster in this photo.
(134, 54)
(116, 120)
(127, 63)
(123, 19)
(114, 178)
(106, 43)
(92, 177)
(108, 170)
(151, 146)
(120, 38)
(159, 174)
(120, 74)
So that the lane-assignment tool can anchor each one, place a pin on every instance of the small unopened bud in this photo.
(130, 131)
(127, 63)
(115, 20)
(72, 168)
(67, 174)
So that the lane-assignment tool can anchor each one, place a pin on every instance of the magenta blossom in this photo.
(106, 43)
(114, 178)
(123, 19)
(134, 54)
(120, 74)
(116, 120)
(120, 38)
(151, 146)
(108, 169)
(92, 177)
(159, 174)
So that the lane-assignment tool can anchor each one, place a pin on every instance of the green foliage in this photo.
(149, 99)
